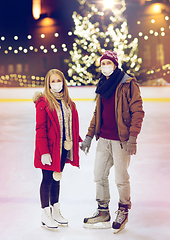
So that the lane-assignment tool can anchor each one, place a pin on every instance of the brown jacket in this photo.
(128, 110)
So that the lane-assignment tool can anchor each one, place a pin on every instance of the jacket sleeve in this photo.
(41, 129)
(94, 128)
(136, 109)
(91, 128)
(95, 124)
(76, 120)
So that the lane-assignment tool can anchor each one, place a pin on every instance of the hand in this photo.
(85, 145)
(131, 146)
(46, 159)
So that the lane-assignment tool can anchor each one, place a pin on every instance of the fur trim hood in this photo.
(36, 96)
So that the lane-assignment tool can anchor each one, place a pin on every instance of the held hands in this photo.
(46, 159)
(131, 146)
(85, 145)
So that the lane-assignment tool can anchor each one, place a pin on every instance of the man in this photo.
(116, 123)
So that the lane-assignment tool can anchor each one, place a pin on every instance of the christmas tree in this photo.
(100, 26)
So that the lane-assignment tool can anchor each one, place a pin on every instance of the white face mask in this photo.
(107, 70)
(56, 87)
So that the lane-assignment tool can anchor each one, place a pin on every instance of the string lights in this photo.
(44, 49)
(154, 75)
(18, 80)
(98, 27)
(161, 31)
(156, 31)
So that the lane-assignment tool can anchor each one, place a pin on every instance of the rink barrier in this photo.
(84, 99)
(156, 99)
(28, 100)
(83, 93)
(14, 100)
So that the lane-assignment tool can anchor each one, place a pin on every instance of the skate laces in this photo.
(60, 214)
(121, 215)
(96, 213)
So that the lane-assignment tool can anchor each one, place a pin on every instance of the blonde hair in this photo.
(49, 96)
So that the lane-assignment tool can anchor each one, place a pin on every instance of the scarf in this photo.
(106, 87)
(67, 121)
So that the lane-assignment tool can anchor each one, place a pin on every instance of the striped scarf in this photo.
(68, 143)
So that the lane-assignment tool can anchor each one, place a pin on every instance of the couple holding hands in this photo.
(116, 123)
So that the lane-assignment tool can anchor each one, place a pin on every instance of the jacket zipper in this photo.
(121, 145)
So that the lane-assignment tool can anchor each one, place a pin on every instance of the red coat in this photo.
(48, 136)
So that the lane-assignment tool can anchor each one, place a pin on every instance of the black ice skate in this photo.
(100, 219)
(121, 218)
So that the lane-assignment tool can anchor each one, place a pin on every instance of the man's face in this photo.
(108, 62)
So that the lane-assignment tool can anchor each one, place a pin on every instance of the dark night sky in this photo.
(16, 15)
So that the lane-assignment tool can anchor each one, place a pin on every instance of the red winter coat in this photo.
(48, 136)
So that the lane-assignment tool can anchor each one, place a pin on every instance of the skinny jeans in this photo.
(49, 188)
(109, 153)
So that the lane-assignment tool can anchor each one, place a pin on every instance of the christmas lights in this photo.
(98, 29)
(18, 80)
(31, 47)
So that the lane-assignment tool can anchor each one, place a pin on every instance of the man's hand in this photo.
(85, 145)
(131, 146)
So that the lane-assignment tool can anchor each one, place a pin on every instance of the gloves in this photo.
(85, 145)
(131, 146)
(46, 159)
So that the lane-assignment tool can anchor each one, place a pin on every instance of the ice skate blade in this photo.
(54, 229)
(118, 230)
(62, 224)
(121, 228)
(100, 225)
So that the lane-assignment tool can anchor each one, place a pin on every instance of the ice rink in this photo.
(20, 212)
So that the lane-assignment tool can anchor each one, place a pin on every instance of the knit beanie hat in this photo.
(111, 55)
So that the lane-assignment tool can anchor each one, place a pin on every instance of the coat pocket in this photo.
(126, 118)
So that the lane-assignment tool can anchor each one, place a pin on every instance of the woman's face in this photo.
(55, 78)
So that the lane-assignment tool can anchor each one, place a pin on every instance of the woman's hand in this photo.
(46, 159)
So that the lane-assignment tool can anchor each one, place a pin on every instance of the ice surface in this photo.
(20, 212)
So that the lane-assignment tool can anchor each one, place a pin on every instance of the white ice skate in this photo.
(56, 214)
(47, 220)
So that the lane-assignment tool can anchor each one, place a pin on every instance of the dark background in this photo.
(16, 15)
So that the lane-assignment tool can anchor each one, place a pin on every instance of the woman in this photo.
(57, 143)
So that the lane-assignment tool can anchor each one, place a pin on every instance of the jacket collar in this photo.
(127, 79)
